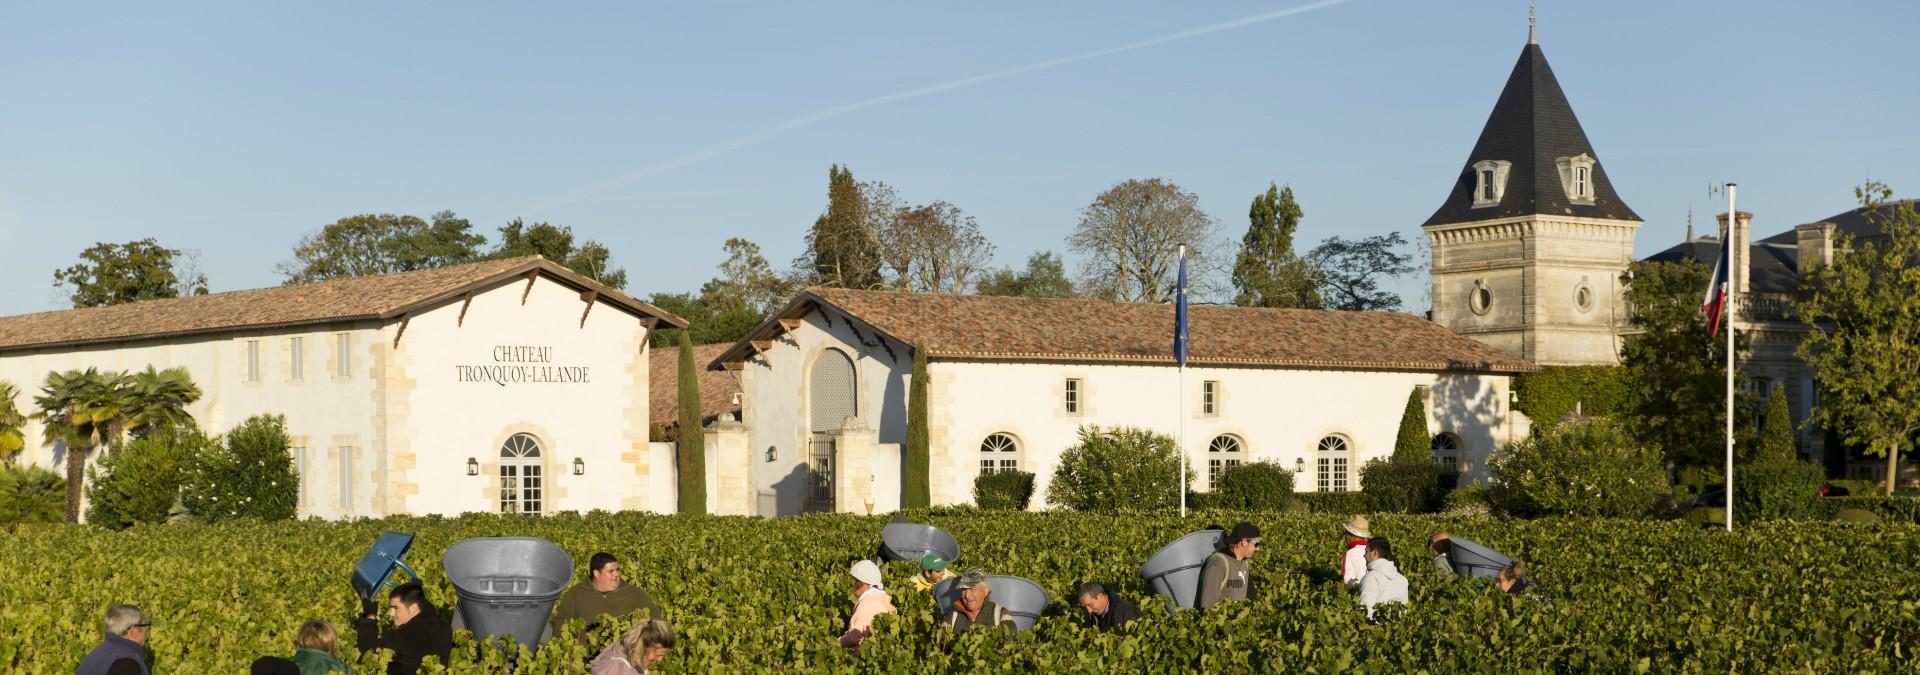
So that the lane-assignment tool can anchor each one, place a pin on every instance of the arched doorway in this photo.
(831, 399)
(522, 475)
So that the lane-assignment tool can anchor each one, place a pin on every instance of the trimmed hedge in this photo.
(1586, 468)
(1890, 509)
(1254, 486)
(1003, 490)
(1402, 486)
(1777, 489)
(1332, 502)
(1550, 394)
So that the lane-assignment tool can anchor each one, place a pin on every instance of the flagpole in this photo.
(1733, 288)
(1181, 389)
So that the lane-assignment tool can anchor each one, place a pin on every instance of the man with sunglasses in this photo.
(126, 638)
(1225, 575)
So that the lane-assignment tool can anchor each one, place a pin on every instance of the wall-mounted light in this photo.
(579, 466)
(473, 467)
(1299, 465)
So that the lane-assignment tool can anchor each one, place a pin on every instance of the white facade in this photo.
(390, 429)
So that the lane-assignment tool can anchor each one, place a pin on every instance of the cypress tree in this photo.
(691, 450)
(1776, 430)
(916, 492)
(1413, 444)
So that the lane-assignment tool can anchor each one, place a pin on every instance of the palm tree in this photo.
(158, 400)
(12, 423)
(82, 410)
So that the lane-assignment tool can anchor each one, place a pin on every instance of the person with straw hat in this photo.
(1352, 563)
(869, 601)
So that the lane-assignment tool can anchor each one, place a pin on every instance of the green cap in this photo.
(933, 563)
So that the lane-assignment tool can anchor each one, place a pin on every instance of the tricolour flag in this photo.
(1716, 301)
(1180, 316)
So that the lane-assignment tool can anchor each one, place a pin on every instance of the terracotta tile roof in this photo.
(716, 387)
(1000, 328)
(378, 297)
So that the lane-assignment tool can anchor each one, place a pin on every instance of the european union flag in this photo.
(1180, 316)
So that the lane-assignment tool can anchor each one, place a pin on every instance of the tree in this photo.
(916, 462)
(1350, 272)
(373, 244)
(1129, 240)
(1044, 277)
(556, 243)
(934, 248)
(1412, 444)
(12, 423)
(158, 400)
(1864, 344)
(141, 483)
(1122, 469)
(82, 410)
(841, 250)
(116, 274)
(747, 280)
(706, 323)
(1776, 430)
(246, 474)
(1268, 273)
(691, 449)
(1677, 400)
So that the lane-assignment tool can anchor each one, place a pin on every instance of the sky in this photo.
(229, 130)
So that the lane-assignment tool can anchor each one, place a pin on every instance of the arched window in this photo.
(1225, 452)
(1446, 451)
(999, 452)
(1332, 464)
(522, 479)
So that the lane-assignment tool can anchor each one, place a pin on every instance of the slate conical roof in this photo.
(1532, 126)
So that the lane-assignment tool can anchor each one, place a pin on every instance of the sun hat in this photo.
(1357, 527)
(933, 562)
(866, 572)
(973, 577)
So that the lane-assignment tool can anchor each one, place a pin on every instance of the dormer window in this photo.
(1490, 182)
(1576, 175)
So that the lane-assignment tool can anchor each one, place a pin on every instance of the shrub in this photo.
(1582, 468)
(1776, 433)
(1777, 489)
(1332, 502)
(1254, 486)
(1003, 490)
(1412, 442)
(1401, 486)
(140, 482)
(1550, 394)
(1123, 469)
(246, 474)
(30, 494)
(1468, 501)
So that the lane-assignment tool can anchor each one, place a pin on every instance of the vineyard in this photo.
(749, 595)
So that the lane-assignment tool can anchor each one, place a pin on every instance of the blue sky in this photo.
(662, 129)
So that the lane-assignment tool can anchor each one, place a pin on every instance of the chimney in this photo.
(1741, 245)
(1816, 246)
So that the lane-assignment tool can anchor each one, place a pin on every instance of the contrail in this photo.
(825, 114)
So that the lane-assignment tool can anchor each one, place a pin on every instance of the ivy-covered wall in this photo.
(1550, 394)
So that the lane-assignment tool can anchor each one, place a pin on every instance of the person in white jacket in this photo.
(1382, 583)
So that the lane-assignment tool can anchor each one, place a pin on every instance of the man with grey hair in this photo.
(126, 638)
(973, 608)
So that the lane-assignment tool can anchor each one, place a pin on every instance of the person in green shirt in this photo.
(317, 649)
(601, 594)
(1225, 576)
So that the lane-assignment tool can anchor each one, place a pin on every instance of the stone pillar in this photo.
(853, 467)
(1815, 241)
(728, 459)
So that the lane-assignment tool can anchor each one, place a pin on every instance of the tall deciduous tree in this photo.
(82, 411)
(690, 451)
(12, 422)
(1044, 277)
(935, 248)
(556, 243)
(1865, 338)
(841, 249)
(1678, 399)
(114, 274)
(916, 462)
(1129, 240)
(1268, 273)
(1350, 271)
(373, 244)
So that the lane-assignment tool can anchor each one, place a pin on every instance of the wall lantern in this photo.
(579, 466)
(1299, 465)
(473, 467)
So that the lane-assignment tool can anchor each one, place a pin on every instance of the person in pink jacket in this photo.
(870, 600)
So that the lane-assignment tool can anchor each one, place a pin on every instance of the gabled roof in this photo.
(1774, 265)
(663, 377)
(1037, 329)
(378, 297)
(1532, 126)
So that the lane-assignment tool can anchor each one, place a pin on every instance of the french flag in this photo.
(1716, 300)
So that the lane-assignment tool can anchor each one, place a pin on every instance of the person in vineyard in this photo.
(974, 608)
(1106, 611)
(603, 593)
(126, 638)
(316, 649)
(933, 570)
(1352, 563)
(1441, 546)
(869, 601)
(1225, 574)
(648, 638)
(1512, 578)
(418, 631)
(1382, 584)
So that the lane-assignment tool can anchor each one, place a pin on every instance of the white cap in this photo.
(866, 572)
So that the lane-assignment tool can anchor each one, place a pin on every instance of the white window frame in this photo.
(1490, 174)
(346, 479)
(1210, 398)
(1446, 457)
(300, 476)
(297, 351)
(1224, 452)
(253, 361)
(1333, 464)
(523, 475)
(1577, 177)
(1073, 394)
(343, 355)
(999, 451)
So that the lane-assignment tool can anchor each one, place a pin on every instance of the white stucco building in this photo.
(825, 385)
(511, 385)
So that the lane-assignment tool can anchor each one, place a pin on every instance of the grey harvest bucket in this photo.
(1473, 559)
(1023, 599)
(1175, 570)
(913, 541)
(507, 585)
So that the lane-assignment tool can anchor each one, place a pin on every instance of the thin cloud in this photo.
(824, 114)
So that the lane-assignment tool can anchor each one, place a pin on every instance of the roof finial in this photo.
(1530, 37)
(1689, 222)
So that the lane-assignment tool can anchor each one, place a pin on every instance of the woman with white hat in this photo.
(1353, 550)
(869, 601)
